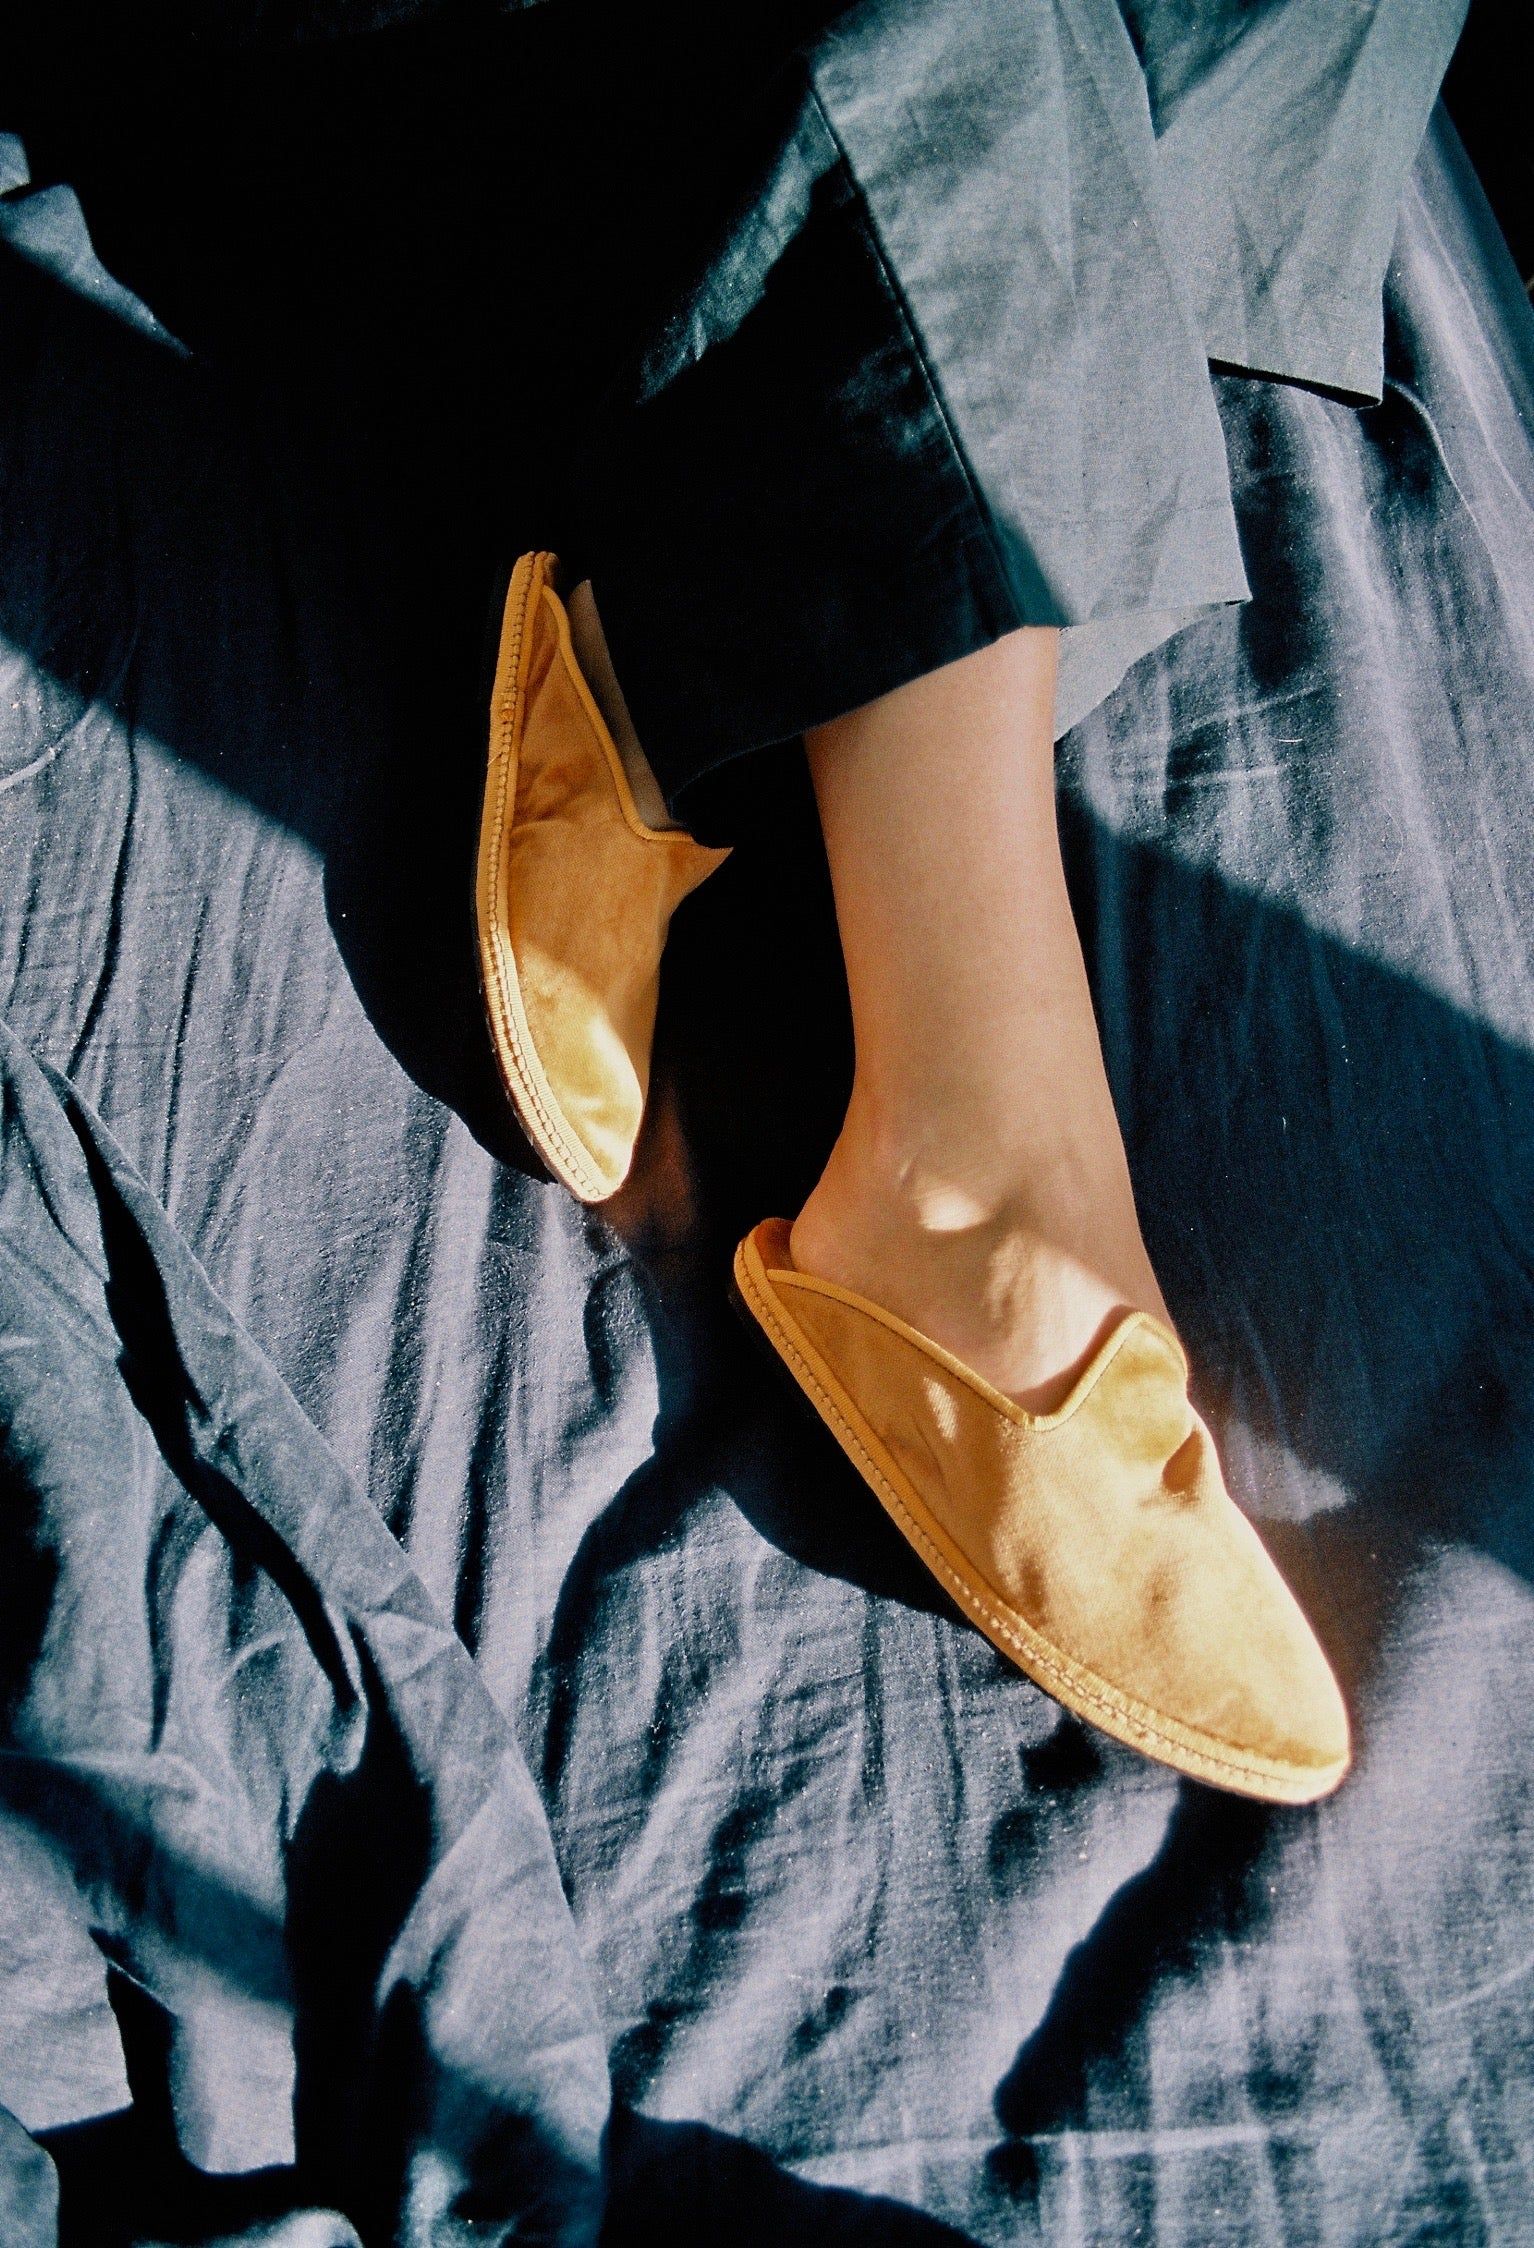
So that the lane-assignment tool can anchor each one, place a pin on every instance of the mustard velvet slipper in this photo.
(1095, 1545)
(572, 902)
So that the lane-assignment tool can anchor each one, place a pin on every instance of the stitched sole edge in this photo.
(527, 1087)
(1070, 1683)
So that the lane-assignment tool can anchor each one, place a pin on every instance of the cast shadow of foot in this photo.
(693, 2186)
(1085, 2063)
(280, 570)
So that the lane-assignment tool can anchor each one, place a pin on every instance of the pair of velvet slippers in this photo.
(1096, 1545)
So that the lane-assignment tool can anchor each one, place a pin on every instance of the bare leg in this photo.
(979, 1188)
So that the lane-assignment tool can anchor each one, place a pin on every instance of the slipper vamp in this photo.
(1101, 1541)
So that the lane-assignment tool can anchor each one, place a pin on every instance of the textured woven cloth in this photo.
(352, 1475)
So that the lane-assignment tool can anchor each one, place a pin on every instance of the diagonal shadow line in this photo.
(301, 574)
(1196, 1893)
(359, 2097)
(1423, 1428)
(1433, 1257)
(691, 2184)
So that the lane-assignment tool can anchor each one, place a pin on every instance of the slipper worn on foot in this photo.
(572, 902)
(1095, 1545)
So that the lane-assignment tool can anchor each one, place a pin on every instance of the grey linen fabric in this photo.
(352, 1474)
(250, 1771)
(882, 1945)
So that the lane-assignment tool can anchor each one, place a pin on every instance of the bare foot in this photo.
(1022, 1286)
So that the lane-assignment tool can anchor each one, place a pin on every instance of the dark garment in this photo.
(918, 350)
(887, 1952)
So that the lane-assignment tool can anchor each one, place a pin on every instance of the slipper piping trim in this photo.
(675, 838)
(1082, 1388)
(1080, 1688)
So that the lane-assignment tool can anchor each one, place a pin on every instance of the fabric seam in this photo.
(920, 354)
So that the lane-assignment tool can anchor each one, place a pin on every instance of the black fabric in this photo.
(835, 338)
(882, 1946)
(926, 373)
(1483, 96)
(936, 365)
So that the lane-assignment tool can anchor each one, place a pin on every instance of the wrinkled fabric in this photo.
(953, 300)
(883, 1947)
(1282, 135)
(249, 1769)
(848, 336)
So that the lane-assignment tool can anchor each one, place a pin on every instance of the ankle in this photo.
(1006, 1298)
(957, 1167)
(893, 1190)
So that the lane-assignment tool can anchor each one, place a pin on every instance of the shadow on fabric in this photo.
(1333, 1174)
(278, 565)
(123, 2180)
(681, 2182)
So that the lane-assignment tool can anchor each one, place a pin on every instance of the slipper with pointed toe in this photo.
(573, 898)
(1095, 1545)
